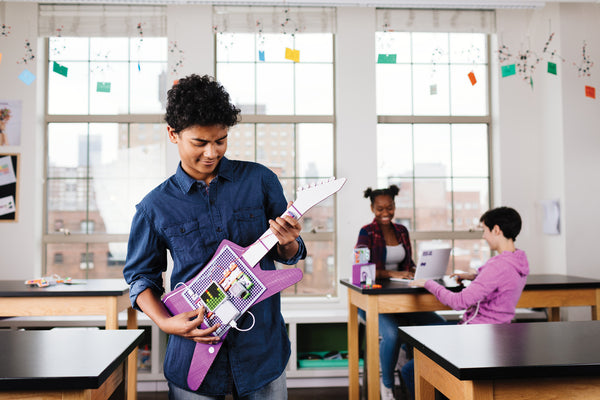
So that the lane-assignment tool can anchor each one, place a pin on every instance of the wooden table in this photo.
(526, 361)
(65, 363)
(547, 291)
(86, 297)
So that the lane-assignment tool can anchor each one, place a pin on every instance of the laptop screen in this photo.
(432, 263)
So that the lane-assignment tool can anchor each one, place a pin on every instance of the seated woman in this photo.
(390, 251)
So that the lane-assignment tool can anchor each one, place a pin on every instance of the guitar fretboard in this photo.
(261, 247)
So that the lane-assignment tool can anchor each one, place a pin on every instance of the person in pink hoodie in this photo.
(492, 296)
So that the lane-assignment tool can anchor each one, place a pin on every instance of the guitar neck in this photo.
(261, 247)
(307, 198)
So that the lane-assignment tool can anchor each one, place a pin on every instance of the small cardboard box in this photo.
(361, 255)
(363, 273)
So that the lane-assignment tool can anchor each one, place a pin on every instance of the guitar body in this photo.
(232, 281)
(267, 283)
(182, 299)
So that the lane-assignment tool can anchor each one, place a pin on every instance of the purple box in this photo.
(363, 273)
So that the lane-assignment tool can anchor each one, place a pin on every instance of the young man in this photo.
(492, 296)
(211, 198)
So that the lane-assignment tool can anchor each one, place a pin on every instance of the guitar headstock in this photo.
(311, 195)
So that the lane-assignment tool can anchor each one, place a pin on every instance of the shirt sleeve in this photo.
(363, 239)
(464, 299)
(146, 259)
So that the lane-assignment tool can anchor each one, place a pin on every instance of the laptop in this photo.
(432, 264)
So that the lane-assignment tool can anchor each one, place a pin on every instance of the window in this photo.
(87, 261)
(287, 113)
(58, 258)
(433, 135)
(106, 147)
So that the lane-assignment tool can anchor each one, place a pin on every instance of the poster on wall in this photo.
(10, 122)
(9, 179)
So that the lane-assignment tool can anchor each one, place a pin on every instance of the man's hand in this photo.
(187, 325)
(286, 229)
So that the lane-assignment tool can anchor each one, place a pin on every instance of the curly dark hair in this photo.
(371, 194)
(199, 100)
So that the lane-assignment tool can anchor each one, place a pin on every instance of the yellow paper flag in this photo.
(293, 55)
(0, 57)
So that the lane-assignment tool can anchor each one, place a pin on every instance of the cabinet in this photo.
(316, 331)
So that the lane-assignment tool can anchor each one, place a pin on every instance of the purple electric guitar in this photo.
(230, 283)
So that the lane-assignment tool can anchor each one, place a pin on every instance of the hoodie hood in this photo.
(517, 260)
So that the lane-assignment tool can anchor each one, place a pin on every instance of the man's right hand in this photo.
(187, 325)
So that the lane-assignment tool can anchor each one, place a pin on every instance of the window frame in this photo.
(452, 235)
(295, 119)
(64, 236)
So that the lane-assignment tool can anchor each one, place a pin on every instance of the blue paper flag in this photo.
(27, 77)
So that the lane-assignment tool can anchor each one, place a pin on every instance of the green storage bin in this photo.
(320, 363)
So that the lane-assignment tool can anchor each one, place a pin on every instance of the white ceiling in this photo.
(473, 4)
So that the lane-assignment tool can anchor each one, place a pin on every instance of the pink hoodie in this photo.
(492, 296)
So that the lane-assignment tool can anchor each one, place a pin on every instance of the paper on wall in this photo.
(7, 173)
(7, 205)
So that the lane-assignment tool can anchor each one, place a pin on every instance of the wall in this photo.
(548, 143)
(356, 126)
(581, 142)
(20, 247)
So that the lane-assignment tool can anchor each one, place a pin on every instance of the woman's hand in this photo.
(468, 276)
(395, 274)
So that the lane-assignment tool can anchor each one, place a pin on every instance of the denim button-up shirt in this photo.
(190, 219)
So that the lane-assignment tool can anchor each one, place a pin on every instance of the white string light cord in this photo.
(233, 324)
(474, 314)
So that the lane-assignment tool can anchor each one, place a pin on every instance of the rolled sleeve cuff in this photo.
(300, 254)
(138, 286)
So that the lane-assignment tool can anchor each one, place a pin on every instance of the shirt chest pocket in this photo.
(185, 236)
(251, 223)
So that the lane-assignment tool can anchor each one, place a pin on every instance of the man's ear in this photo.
(173, 136)
(496, 230)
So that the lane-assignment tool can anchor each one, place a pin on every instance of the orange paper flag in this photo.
(590, 91)
(472, 78)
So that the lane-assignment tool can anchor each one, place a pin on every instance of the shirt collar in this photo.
(186, 182)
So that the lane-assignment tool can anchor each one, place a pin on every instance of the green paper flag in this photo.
(551, 68)
(60, 69)
(508, 70)
(386, 59)
(103, 87)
